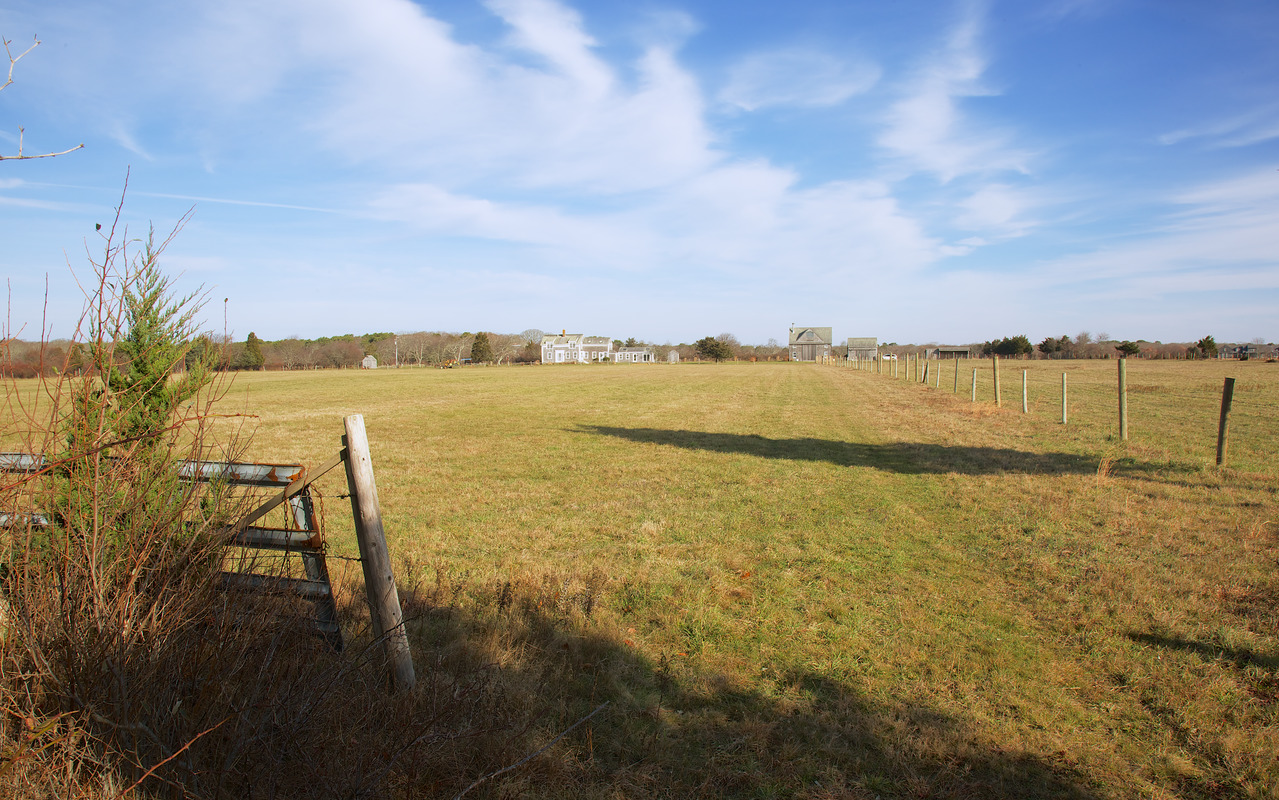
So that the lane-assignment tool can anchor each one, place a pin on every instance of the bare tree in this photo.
(13, 61)
(506, 345)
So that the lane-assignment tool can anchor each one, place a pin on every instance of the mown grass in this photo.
(801, 581)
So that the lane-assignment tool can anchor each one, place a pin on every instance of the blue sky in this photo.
(918, 170)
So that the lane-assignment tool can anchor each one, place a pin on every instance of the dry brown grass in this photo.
(792, 581)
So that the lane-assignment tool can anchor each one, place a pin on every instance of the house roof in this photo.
(810, 335)
(863, 341)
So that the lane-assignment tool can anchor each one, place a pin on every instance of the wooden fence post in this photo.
(1025, 400)
(1063, 398)
(1223, 426)
(379, 581)
(956, 376)
(974, 384)
(994, 360)
(926, 366)
(1123, 399)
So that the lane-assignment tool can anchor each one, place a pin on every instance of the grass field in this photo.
(802, 581)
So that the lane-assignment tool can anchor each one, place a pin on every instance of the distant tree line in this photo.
(438, 348)
(1083, 345)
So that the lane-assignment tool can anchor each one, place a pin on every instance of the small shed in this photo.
(369, 362)
(672, 357)
(946, 353)
(862, 348)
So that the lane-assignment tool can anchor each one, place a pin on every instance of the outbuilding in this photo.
(810, 344)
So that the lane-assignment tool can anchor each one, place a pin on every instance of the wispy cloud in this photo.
(125, 138)
(234, 202)
(998, 209)
(796, 76)
(1254, 127)
(928, 127)
(1219, 236)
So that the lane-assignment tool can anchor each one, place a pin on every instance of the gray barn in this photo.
(809, 344)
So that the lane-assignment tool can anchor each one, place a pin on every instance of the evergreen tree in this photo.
(253, 358)
(1207, 346)
(138, 362)
(712, 348)
(481, 350)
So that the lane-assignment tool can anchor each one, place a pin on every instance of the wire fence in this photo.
(1173, 406)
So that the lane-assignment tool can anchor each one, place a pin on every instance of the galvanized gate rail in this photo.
(304, 538)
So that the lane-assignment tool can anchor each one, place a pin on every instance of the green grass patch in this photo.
(800, 581)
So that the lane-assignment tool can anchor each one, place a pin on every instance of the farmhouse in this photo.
(946, 353)
(809, 344)
(575, 348)
(862, 348)
(635, 355)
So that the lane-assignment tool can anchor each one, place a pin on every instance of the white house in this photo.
(369, 362)
(575, 348)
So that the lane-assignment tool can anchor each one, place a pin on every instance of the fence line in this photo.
(1173, 405)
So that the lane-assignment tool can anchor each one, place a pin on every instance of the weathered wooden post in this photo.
(956, 376)
(379, 581)
(1063, 398)
(926, 366)
(974, 384)
(937, 380)
(1223, 426)
(1025, 400)
(1123, 399)
(994, 360)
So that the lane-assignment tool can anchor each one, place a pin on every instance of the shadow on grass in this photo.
(902, 457)
(672, 730)
(1208, 651)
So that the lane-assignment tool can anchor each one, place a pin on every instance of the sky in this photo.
(918, 171)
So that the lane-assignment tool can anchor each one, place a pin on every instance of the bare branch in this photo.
(13, 61)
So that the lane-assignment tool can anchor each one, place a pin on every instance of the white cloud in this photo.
(1254, 127)
(997, 209)
(795, 77)
(596, 240)
(555, 33)
(125, 138)
(1222, 240)
(927, 127)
